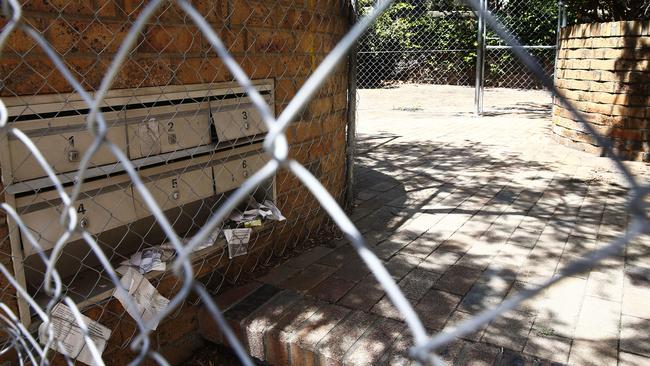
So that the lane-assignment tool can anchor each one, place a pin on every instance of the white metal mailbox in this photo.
(236, 119)
(103, 206)
(157, 130)
(176, 185)
(191, 145)
(232, 173)
(63, 141)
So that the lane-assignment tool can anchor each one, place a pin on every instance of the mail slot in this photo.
(157, 130)
(98, 210)
(63, 141)
(178, 186)
(236, 121)
(231, 174)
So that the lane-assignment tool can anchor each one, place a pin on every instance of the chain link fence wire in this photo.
(435, 42)
(127, 128)
(430, 42)
(534, 24)
(126, 183)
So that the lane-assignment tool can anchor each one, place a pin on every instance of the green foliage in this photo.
(438, 37)
(533, 22)
(589, 11)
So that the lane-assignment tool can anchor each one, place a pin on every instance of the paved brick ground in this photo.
(464, 212)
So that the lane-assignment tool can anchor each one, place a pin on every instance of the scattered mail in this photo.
(267, 210)
(147, 301)
(147, 260)
(68, 336)
(237, 240)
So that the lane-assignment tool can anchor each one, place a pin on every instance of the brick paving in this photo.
(464, 212)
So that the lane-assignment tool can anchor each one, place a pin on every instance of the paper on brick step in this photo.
(147, 260)
(147, 300)
(209, 241)
(253, 223)
(267, 210)
(275, 211)
(206, 243)
(68, 336)
(245, 216)
(237, 240)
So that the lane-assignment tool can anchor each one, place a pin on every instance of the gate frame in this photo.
(482, 48)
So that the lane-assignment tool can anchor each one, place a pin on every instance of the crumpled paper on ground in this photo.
(141, 293)
(68, 336)
(266, 210)
(237, 240)
(147, 260)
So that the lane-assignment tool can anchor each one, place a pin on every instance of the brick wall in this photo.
(284, 40)
(604, 70)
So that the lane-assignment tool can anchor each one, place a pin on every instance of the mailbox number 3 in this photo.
(244, 115)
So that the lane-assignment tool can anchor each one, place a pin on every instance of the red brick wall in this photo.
(284, 40)
(604, 70)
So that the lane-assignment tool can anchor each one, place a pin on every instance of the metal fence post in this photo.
(351, 114)
(561, 22)
(480, 62)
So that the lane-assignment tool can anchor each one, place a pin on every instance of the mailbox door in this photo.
(98, 210)
(157, 130)
(237, 121)
(177, 187)
(62, 141)
(231, 174)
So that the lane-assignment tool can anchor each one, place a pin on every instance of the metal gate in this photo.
(535, 24)
(445, 42)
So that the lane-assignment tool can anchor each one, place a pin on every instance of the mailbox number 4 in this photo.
(81, 209)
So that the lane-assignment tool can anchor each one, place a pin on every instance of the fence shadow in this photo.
(501, 202)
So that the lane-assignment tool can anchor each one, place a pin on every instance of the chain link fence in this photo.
(133, 158)
(151, 150)
(534, 24)
(418, 42)
(438, 42)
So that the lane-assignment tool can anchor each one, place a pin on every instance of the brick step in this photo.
(284, 327)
